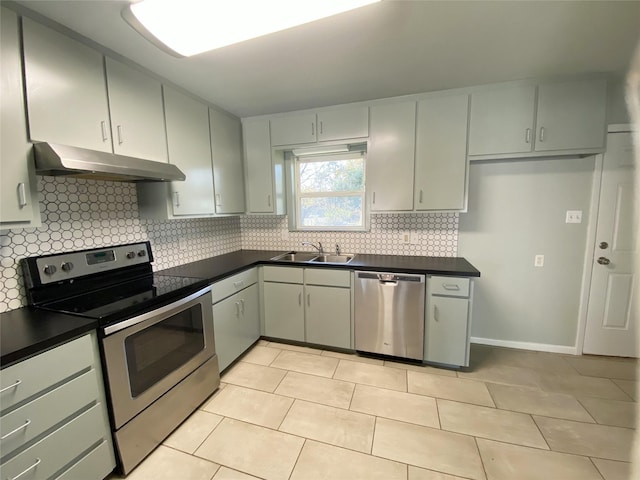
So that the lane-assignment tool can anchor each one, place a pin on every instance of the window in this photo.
(329, 192)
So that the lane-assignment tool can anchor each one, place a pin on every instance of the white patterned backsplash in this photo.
(78, 214)
(434, 234)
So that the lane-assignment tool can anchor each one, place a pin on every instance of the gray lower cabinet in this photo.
(236, 316)
(53, 415)
(310, 305)
(448, 320)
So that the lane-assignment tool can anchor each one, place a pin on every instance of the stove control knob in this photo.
(67, 266)
(49, 269)
(142, 253)
(131, 255)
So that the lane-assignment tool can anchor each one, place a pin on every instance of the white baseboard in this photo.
(540, 347)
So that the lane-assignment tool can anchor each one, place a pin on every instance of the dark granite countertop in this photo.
(221, 266)
(26, 332)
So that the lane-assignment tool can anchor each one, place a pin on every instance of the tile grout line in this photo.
(484, 468)
(596, 467)
(297, 458)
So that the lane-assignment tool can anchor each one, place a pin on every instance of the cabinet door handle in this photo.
(313, 129)
(13, 385)
(237, 309)
(420, 199)
(436, 314)
(177, 195)
(238, 284)
(527, 136)
(218, 200)
(451, 286)
(308, 299)
(268, 200)
(120, 137)
(22, 195)
(103, 128)
(16, 430)
(300, 299)
(242, 305)
(542, 134)
(374, 198)
(321, 127)
(26, 470)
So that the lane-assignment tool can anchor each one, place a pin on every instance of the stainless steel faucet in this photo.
(318, 247)
(337, 249)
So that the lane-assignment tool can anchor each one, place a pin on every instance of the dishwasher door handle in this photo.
(389, 282)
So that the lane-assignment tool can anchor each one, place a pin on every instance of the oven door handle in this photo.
(154, 313)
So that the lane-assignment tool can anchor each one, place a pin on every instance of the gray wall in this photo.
(517, 210)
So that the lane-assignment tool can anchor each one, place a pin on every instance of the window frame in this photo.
(296, 195)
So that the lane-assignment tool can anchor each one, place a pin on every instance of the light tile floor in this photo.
(294, 413)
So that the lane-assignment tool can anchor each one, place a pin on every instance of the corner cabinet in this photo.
(264, 176)
(54, 417)
(391, 155)
(18, 185)
(448, 320)
(236, 315)
(226, 154)
(520, 120)
(310, 305)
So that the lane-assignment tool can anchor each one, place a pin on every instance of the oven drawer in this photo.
(57, 450)
(97, 464)
(29, 377)
(227, 287)
(36, 417)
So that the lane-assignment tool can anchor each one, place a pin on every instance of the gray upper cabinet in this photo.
(441, 156)
(390, 163)
(328, 125)
(18, 186)
(563, 117)
(259, 172)
(66, 90)
(293, 129)
(226, 152)
(190, 150)
(502, 120)
(343, 123)
(137, 116)
(571, 115)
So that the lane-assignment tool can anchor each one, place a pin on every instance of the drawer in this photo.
(329, 277)
(34, 418)
(95, 465)
(282, 274)
(449, 286)
(25, 379)
(57, 450)
(229, 286)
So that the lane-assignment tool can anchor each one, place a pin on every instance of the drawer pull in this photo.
(237, 309)
(16, 430)
(238, 284)
(25, 470)
(22, 195)
(242, 306)
(13, 385)
(450, 286)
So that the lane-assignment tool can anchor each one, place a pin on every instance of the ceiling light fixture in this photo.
(188, 27)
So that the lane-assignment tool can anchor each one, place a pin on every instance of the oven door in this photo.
(147, 355)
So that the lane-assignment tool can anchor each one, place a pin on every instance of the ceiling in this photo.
(382, 50)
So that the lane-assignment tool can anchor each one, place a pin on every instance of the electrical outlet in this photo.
(538, 261)
(573, 216)
(405, 238)
(182, 243)
(414, 239)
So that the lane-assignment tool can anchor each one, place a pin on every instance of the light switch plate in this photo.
(573, 216)
(538, 261)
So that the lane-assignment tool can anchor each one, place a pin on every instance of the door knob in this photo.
(603, 245)
(604, 261)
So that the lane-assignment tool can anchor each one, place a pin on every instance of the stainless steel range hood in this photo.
(55, 159)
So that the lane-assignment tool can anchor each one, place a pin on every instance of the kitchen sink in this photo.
(327, 258)
(314, 257)
(295, 257)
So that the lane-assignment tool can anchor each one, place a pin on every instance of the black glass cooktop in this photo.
(123, 299)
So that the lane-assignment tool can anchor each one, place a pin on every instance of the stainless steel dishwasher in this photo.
(389, 311)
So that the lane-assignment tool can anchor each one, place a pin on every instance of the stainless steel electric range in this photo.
(155, 331)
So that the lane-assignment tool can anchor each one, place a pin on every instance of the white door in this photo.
(611, 324)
